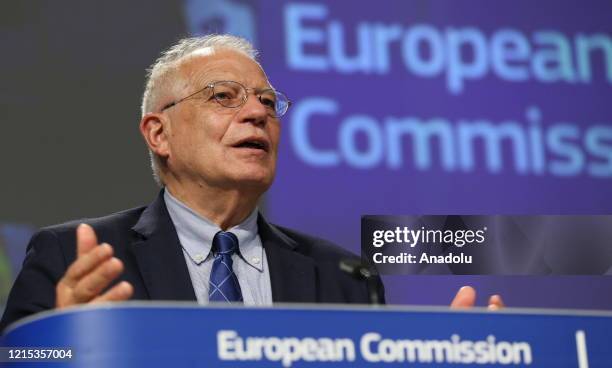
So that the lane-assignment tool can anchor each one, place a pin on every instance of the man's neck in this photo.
(225, 208)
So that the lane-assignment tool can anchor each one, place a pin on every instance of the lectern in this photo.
(137, 334)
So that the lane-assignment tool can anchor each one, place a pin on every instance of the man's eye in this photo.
(223, 96)
(268, 102)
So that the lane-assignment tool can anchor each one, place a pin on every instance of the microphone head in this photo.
(355, 268)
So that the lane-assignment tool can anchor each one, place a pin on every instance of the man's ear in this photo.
(154, 129)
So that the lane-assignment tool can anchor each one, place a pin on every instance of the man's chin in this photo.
(253, 180)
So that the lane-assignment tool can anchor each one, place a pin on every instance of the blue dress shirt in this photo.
(249, 264)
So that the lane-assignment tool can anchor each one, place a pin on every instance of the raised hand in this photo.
(92, 271)
(466, 298)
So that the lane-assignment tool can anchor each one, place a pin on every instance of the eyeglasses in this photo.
(233, 94)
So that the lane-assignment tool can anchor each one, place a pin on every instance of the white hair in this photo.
(162, 77)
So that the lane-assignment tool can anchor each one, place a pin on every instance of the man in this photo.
(211, 121)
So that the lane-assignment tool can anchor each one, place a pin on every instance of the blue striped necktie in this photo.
(224, 285)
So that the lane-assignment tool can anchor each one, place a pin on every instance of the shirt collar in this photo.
(196, 233)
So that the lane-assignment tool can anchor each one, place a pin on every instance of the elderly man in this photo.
(211, 120)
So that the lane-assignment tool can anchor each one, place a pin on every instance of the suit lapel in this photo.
(159, 255)
(292, 274)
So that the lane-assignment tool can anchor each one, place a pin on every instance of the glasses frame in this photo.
(211, 85)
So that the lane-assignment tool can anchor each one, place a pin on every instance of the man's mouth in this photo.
(253, 143)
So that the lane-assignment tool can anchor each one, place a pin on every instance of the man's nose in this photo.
(254, 111)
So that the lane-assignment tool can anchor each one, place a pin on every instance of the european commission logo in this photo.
(237, 17)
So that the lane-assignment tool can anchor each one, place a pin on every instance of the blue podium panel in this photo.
(184, 335)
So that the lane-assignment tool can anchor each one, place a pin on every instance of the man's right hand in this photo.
(92, 271)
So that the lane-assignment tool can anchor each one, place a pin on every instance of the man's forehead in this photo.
(205, 51)
(207, 63)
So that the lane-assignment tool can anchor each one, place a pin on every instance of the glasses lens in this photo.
(276, 102)
(229, 94)
(234, 94)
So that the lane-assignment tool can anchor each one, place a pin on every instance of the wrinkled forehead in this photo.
(207, 65)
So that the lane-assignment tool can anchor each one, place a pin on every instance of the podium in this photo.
(138, 334)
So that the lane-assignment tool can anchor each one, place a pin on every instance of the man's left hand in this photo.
(466, 298)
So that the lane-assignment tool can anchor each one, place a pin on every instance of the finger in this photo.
(86, 239)
(90, 286)
(122, 291)
(496, 302)
(465, 298)
(86, 264)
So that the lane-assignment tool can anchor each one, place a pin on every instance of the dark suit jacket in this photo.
(303, 269)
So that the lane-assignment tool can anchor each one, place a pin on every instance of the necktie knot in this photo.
(225, 242)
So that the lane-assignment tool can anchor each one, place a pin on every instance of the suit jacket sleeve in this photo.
(34, 288)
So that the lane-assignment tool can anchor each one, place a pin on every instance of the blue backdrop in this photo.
(437, 107)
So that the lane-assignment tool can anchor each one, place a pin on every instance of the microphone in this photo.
(362, 272)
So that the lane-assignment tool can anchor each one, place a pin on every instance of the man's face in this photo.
(210, 145)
